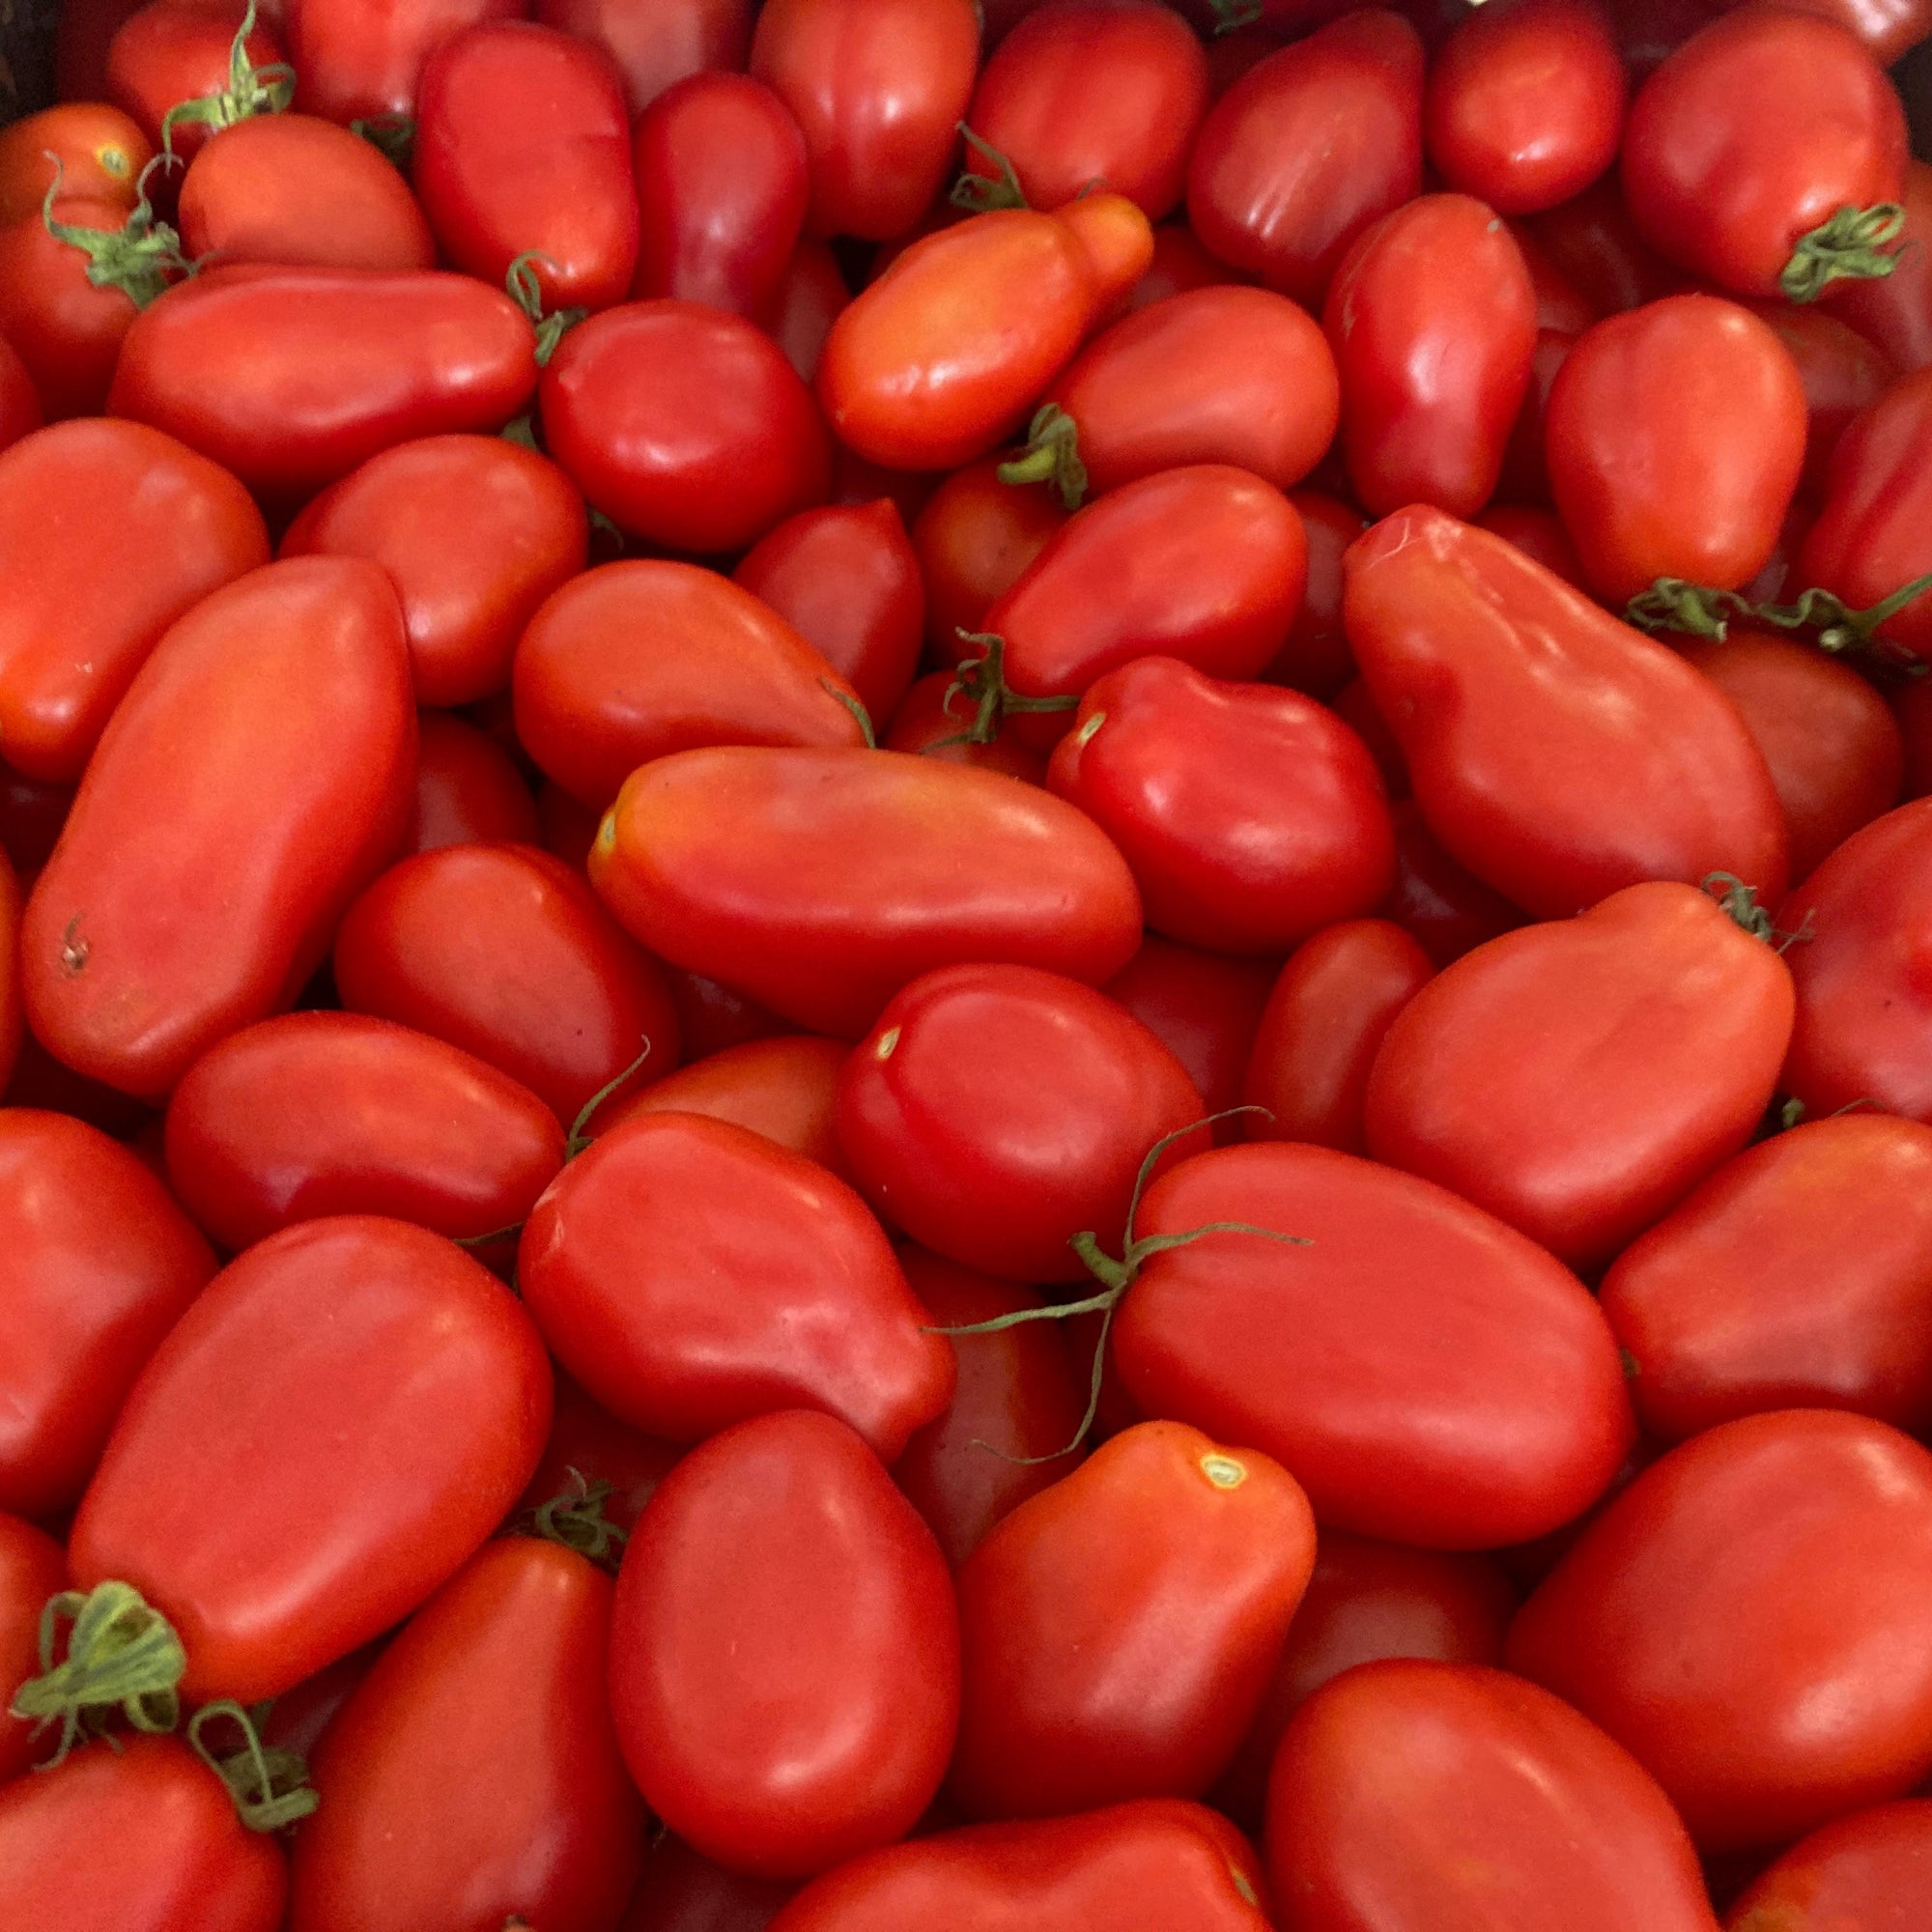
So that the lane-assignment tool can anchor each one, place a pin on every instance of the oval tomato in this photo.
(1895, 312)
(364, 59)
(1842, 373)
(974, 538)
(811, 295)
(936, 720)
(654, 46)
(1446, 910)
(1860, 1870)
(100, 149)
(1203, 1006)
(469, 791)
(1541, 536)
(1317, 658)
(33, 1567)
(169, 54)
(588, 1446)
(1179, 262)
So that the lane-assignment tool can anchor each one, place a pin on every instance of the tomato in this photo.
(784, 1649)
(1525, 104)
(973, 539)
(1745, 147)
(157, 1836)
(72, 636)
(1912, 706)
(1366, 1601)
(812, 293)
(1866, 1869)
(878, 86)
(1179, 264)
(710, 1016)
(1764, 1709)
(475, 532)
(21, 413)
(996, 1112)
(469, 791)
(1317, 659)
(935, 719)
(847, 578)
(1480, 1416)
(293, 376)
(1592, 242)
(1865, 995)
(1446, 910)
(1895, 311)
(364, 59)
(1843, 374)
(178, 52)
(1556, 753)
(501, 1672)
(503, 952)
(623, 1260)
(1156, 1866)
(1085, 90)
(101, 150)
(524, 144)
(912, 378)
(1541, 536)
(33, 1567)
(820, 882)
(254, 846)
(682, 1891)
(407, 1397)
(1204, 1008)
(1411, 1795)
(1561, 307)
(658, 45)
(1525, 472)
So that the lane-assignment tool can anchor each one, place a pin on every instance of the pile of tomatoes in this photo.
(966, 968)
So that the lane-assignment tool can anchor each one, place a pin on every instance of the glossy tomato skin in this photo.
(995, 1112)
(1416, 1794)
(784, 1650)
(1251, 816)
(1118, 1629)
(1154, 1865)
(291, 377)
(686, 426)
(1869, 1868)
(476, 531)
(821, 882)
(1308, 149)
(297, 190)
(322, 1113)
(100, 152)
(166, 53)
(469, 790)
(1432, 316)
(654, 47)
(622, 1260)
(500, 1672)
(408, 1396)
(877, 88)
(158, 1835)
(501, 951)
(974, 538)
(364, 59)
(1480, 1419)
(1085, 90)
(1525, 104)
(1660, 1029)
(256, 847)
(1554, 787)
(72, 633)
(1762, 1710)
(21, 413)
(522, 142)
(1204, 1006)
(1755, 131)
(682, 1891)
(33, 1567)
(1895, 311)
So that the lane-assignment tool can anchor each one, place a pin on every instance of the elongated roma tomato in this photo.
(33, 1567)
(1485, 1415)
(364, 59)
(407, 1397)
(315, 1113)
(1556, 753)
(1160, 1864)
(913, 377)
(72, 633)
(291, 377)
(1858, 1870)
(692, 1274)
(657, 45)
(784, 1649)
(1762, 1710)
(1413, 1795)
(254, 846)
(165, 56)
(821, 882)
(502, 1672)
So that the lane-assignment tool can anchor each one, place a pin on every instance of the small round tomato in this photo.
(1204, 1008)
(33, 1567)
(657, 45)
(974, 538)
(1866, 1869)
(468, 790)
(167, 55)
(99, 149)
(364, 59)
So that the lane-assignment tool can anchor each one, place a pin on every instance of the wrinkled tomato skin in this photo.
(923, 723)
(156, 1834)
(66, 331)
(407, 1395)
(1325, 1020)
(100, 152)
(622, 1260)
(501, 1671)
(255, 848)
(658, 45)
(819, 883)
(364, 59)
(1843, 374)
(877, 88)
(323, 1113)
(1504, 1414)
(1762, 1710)
(1869, 1868)
(469, 791)
(167, 54)
(682, 1891)
(33, 1567)
(1432, 317)
(1420, 1794)
(522, 142)
(1204, 1008)
(995, 1112)
(72, 635)
(784, 1650)
(973, 539)
(1556, 754)
(1895, 311)
(502, 951)
(1308, 149)
(291, 377)
(1118, 1629)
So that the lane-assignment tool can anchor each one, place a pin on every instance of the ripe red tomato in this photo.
(1895, 311)
(1414, 1794)
(655, 47)
(1203, 1006)
(170, 53)
(254, 845)
(589, 1445)
(1591, 242)
(364, 59)
(1842, 372)
(21, 413)
(974, 538)
(1179, 264)
(469, 790)
(1762, 1709)
(1446, 910)
(682, 1891)
(784, 1649)
(500, 1672)
(1317, 658)
(996, 1112)
(100, 149)
(1866, 1869)
(935, 719)
(811, 294)
(33, 1567)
